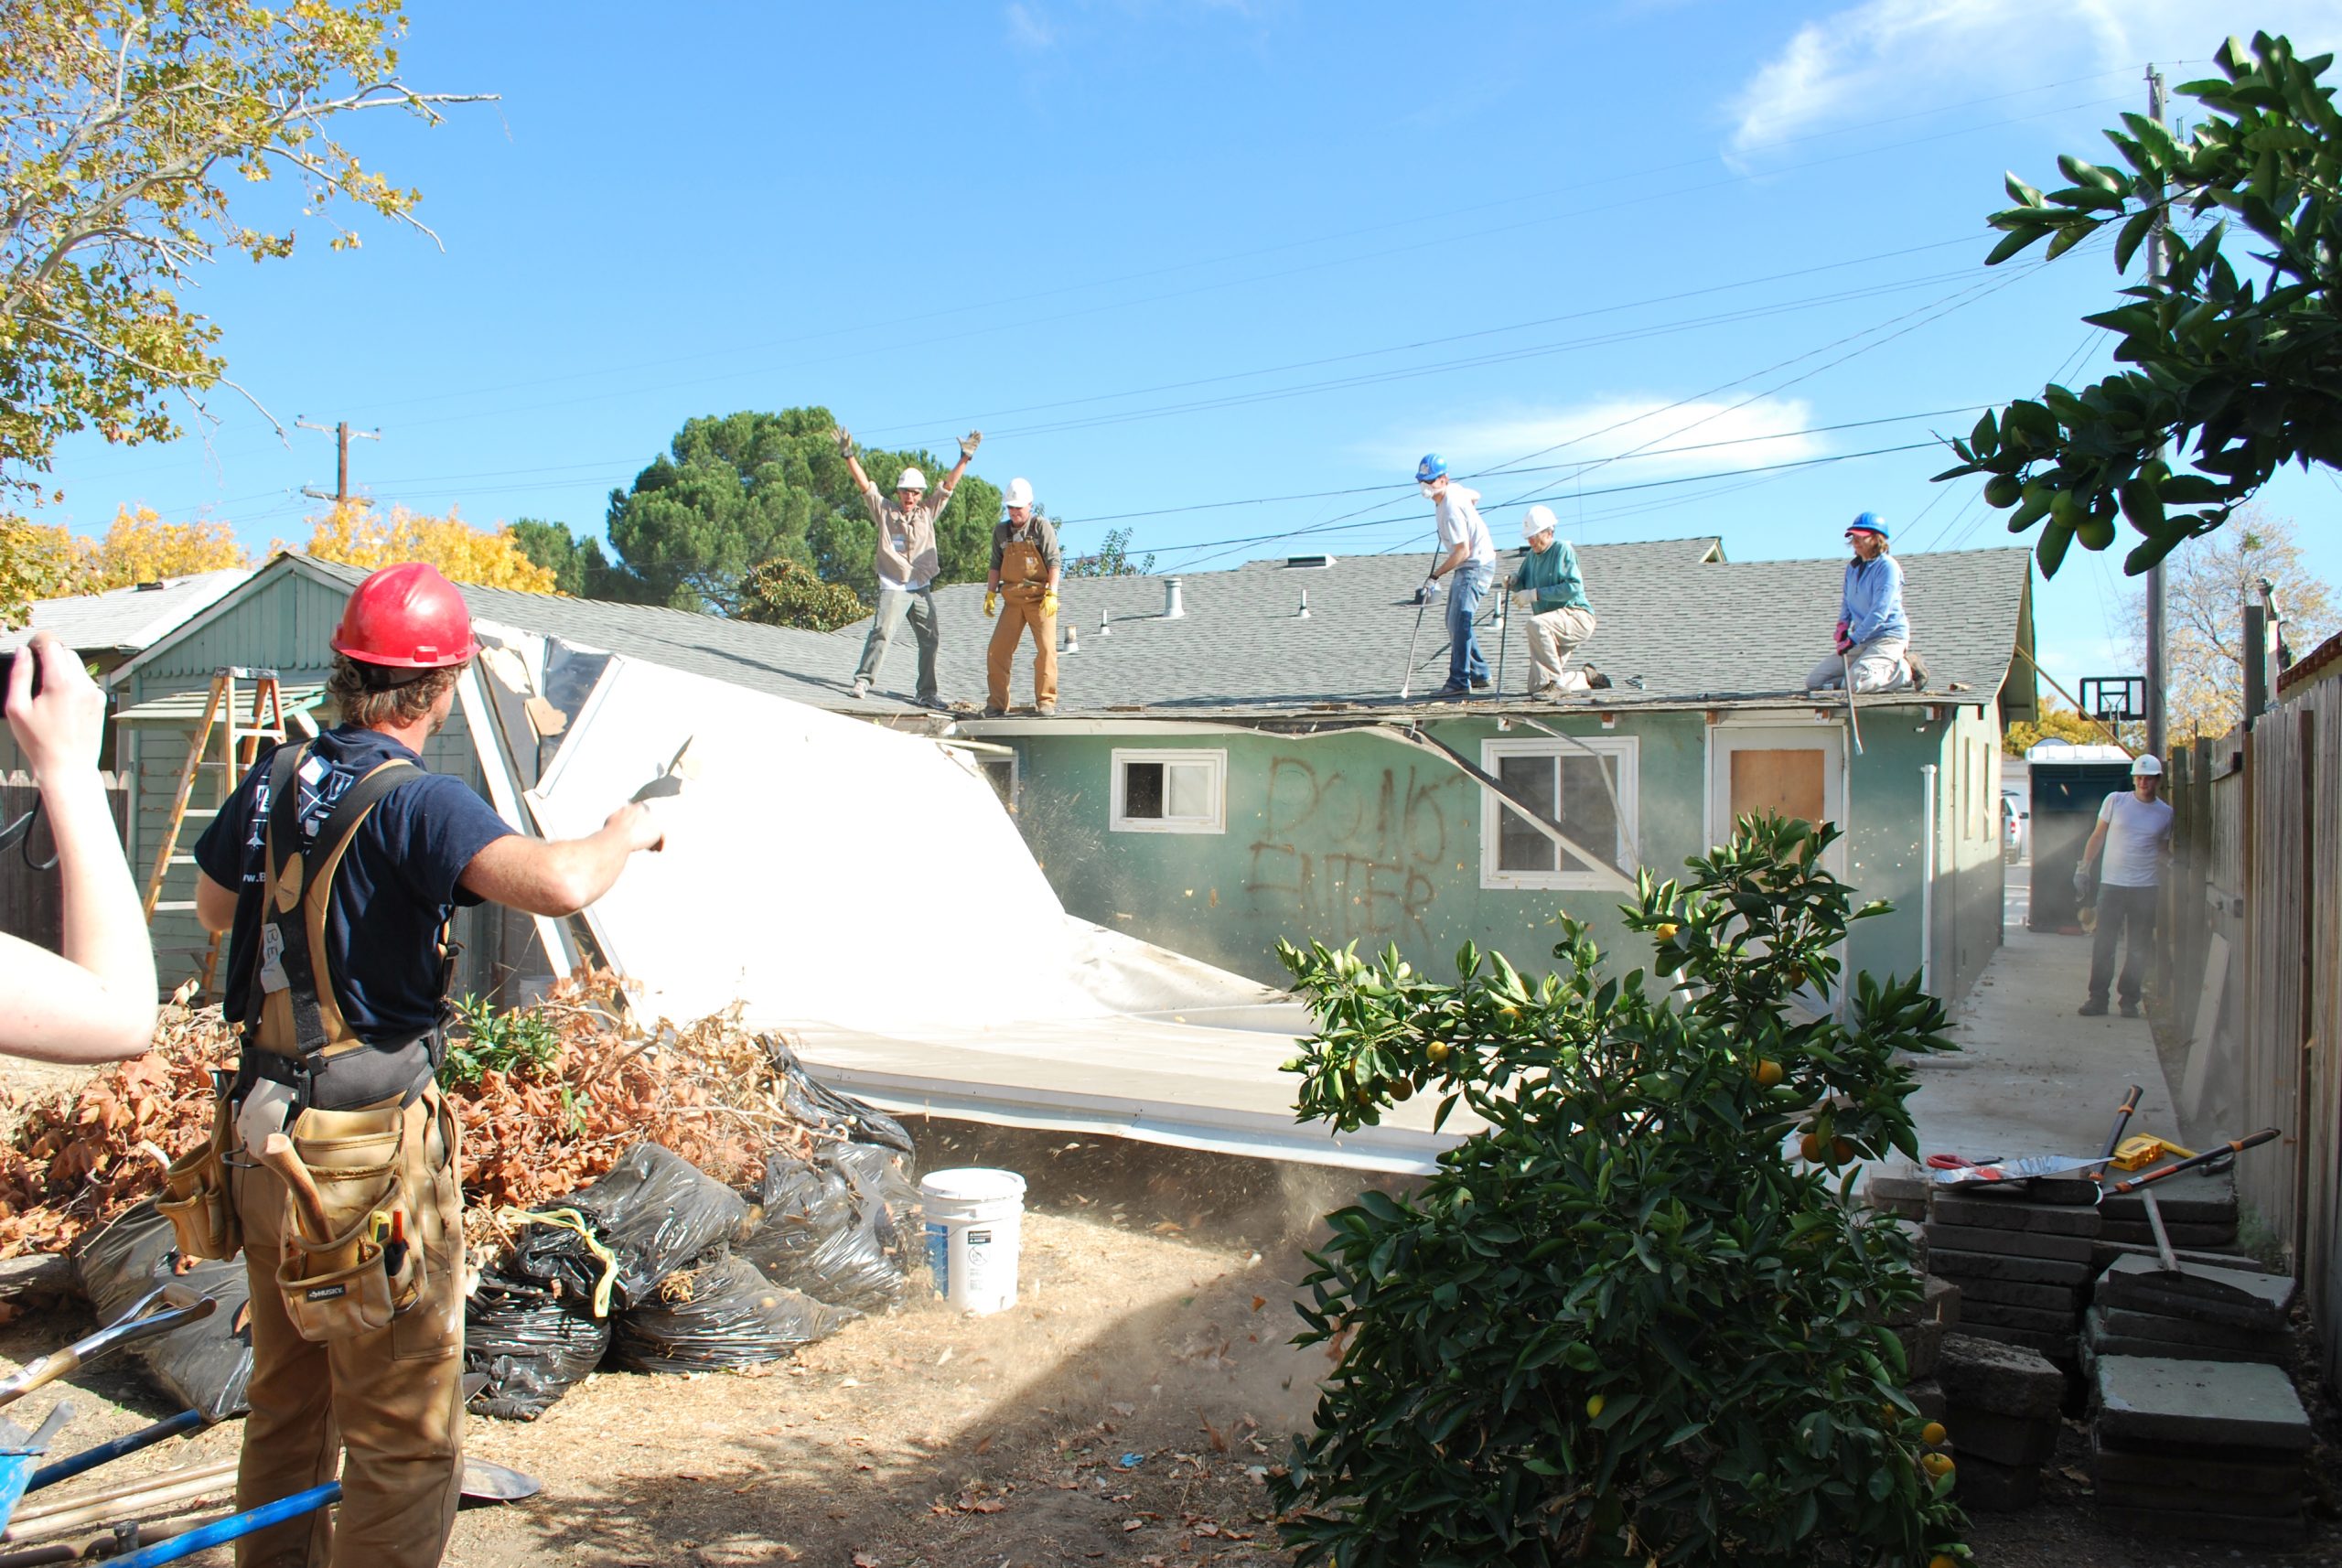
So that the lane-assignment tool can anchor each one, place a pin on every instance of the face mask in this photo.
(1431, 492)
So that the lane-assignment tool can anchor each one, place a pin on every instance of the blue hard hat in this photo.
(1869, 522)
(1432, 467)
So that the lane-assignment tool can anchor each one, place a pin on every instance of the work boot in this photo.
(1918, 669)
(861, 690)
(1453, 691)
(1482, 682)
(2130, 1009)
(1047, 710)
(990, 713)
(1596, 680)
(934, 703)
(2094, 1008)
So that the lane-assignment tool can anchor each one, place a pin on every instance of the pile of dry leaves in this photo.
(710, 1091)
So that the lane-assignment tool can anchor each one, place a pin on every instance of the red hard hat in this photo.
(407, 616)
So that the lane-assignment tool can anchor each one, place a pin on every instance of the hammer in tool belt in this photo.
(276, 1152)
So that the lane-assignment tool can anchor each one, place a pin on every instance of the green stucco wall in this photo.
(1353, 836)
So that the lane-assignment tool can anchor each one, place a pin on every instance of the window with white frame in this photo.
(1162, 791)
(1585, 787)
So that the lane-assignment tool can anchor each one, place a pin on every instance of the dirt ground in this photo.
(1123, 1412)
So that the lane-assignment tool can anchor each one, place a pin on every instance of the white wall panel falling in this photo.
(822, 870)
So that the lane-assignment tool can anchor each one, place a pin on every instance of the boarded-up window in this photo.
(1788, 783)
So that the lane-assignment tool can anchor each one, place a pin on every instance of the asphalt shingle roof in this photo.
(125, 619)
(1692, 626)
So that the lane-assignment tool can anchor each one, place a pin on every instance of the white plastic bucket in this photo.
(973, 1218)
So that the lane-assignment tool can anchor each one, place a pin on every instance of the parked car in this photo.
(2013, 822)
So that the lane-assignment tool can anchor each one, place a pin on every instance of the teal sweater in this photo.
(1553, 577)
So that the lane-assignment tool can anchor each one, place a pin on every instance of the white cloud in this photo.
(1028, 28)
(1770, 430)
(1872, 59)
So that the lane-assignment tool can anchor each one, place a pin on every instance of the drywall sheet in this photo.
(821, 870)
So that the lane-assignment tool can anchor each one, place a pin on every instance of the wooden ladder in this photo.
(240, 745)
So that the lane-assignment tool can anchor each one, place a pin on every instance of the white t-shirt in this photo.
(1459, 524)
(2136, 832)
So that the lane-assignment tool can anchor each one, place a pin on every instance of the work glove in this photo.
(1845, 643)
(844, 438)
(969, 443)
(992, 603)
(1050, 603)
(266, 1106)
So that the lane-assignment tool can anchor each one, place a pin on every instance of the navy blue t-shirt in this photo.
(395, 886)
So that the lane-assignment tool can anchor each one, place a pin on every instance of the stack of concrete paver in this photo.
(2023, 1263)
(2001, 1407)
(2199, 1213)
(2200, 1313)
(2204, 1450)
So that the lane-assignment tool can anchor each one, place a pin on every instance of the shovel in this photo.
(181, 1305)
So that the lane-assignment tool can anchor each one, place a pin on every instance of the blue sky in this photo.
(1173, 254)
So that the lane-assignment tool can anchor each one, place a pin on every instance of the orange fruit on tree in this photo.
(1933, 1433)
(1937, 1464)
(1943, 1560)
(1809, 1147)
(1593, 1406)
(1767, 1073)
(1665, 931)
(1438, 1051)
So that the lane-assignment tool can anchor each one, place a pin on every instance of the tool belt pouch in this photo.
(357, 1282)
(196, 1199)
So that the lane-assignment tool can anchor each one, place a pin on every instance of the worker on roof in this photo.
(338, 865)
(93, 1000)
(1470, 557)
(905, 562)
(1546, 585)
(2134, 835)
(1873, 634)
(1027, 567)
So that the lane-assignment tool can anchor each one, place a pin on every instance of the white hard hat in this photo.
(1020, 493)
(2147, 765)
(911, 480)
(1537, 520)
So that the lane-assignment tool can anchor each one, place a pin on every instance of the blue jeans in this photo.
(1467, 583)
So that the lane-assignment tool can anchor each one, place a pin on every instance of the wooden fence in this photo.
(30, 897)
(2252, 969)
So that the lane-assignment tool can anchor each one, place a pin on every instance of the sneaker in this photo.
(995, 712)
(1047, 710)
(934, 703)
(1918, 669)
(1453, 691)
(861, 690)
(1596, 680)
(2094, 1008)
(1482, 682)
(2130, 1009)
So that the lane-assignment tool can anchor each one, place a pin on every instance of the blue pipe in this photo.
(233, 1527)
(105, 1452)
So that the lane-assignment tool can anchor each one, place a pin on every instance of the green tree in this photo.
(1622, 1325)
(578, 566)
(788, 592)
(2058, 724)
(2237, 377)
(124, 126)
(738, 490)
(1111, 559)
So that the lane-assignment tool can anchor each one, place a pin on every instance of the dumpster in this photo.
(2069, 784)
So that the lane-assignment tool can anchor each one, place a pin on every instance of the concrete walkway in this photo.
(2032, 1077)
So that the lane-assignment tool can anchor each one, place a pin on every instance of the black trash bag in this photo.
(721, 1313)
(532, 1349)
(207, 1364)
(653, 1211)
(825, 1109)
(834, 1229)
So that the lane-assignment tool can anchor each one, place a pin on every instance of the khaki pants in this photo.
(1020, 607)
(1552, 637)
(1877, 666)
(392, 1398)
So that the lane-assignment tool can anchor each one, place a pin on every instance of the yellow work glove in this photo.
(1050, 603)
(992, 603)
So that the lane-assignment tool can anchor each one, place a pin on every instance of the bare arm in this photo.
(215, 906)
(1449, 562)
(560, 876)
(2097, 842)
(96, 1001)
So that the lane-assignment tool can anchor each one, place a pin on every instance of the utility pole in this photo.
(2158, 260)
(341, 433)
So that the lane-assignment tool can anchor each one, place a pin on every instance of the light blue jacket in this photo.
(1873, 604)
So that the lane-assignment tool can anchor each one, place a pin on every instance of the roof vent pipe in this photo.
(1303, 613)
(1172, 608)
(1105, 628)
(1072, 638)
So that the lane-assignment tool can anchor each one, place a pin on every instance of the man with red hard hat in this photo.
(338, 865)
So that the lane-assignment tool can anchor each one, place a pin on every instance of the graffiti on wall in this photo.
(1345, 857)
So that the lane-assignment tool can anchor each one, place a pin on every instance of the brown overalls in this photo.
(1024, 583)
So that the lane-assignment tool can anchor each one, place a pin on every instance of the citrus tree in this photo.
(1637, 1319)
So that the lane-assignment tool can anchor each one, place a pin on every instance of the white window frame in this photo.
(1573, 874)
(1217, 760)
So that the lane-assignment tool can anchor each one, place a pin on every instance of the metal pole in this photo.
(2158, 242)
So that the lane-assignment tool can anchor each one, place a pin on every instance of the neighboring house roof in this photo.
(125, 620)
(1696, 628)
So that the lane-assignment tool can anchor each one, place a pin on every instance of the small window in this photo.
(1586, 789)
(1000, 772)
(1170, 791)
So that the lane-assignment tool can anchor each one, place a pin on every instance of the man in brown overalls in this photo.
(338, 865)
(1026, 571)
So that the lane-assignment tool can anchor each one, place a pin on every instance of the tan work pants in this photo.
(1552, 637)
(391, 1399)
(1020, 607)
